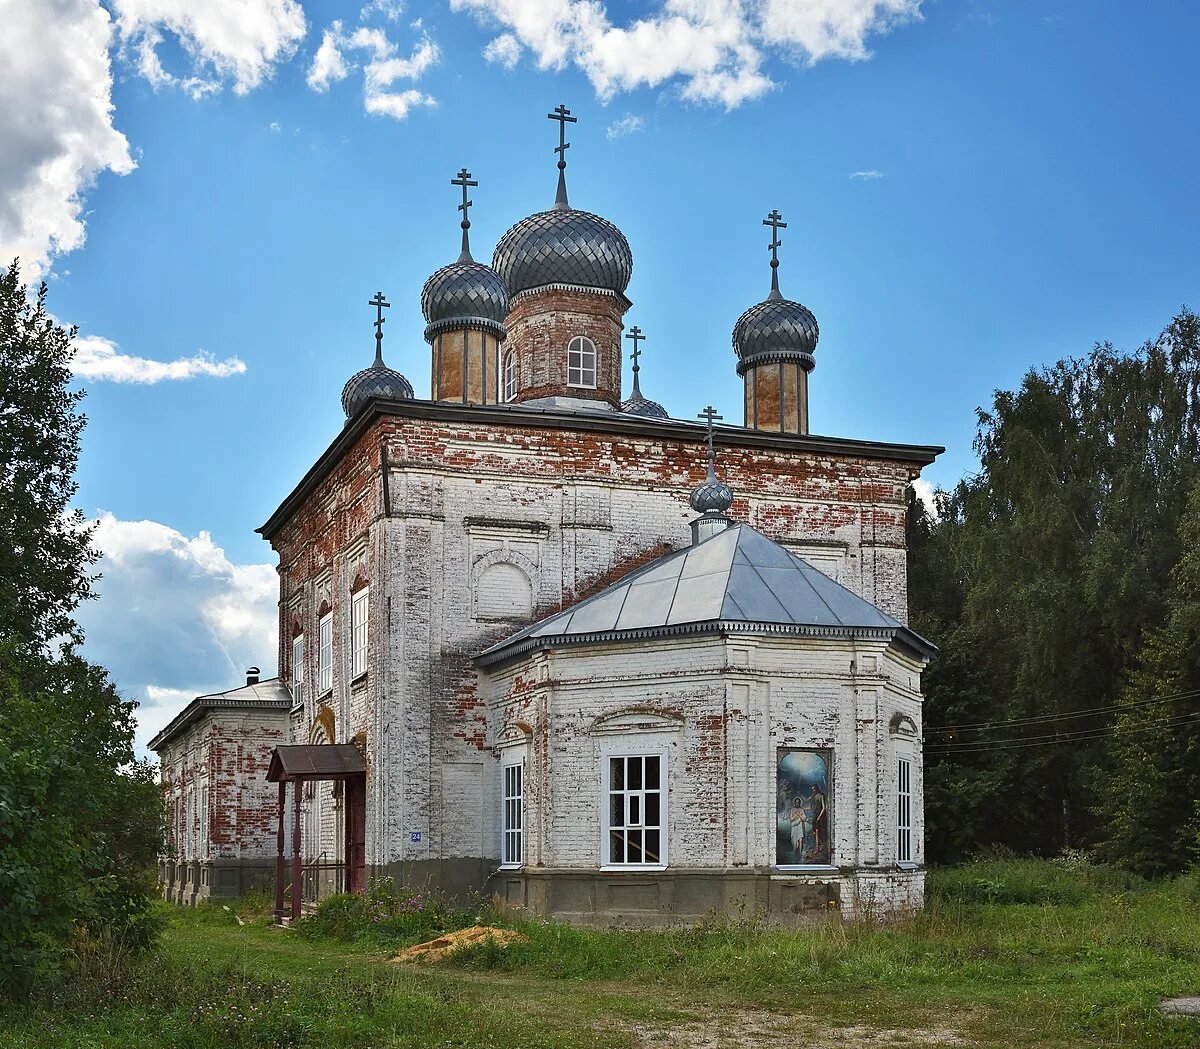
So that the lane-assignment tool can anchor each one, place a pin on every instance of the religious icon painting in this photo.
(803, 820)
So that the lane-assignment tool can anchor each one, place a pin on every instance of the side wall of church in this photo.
(221, 812)
(721, 711)
(491, 527)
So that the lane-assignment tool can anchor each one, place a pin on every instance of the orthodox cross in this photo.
(464, 180)
(710, 415)
(775, 221)
(563, 115)
(380, 304)
(635, 333)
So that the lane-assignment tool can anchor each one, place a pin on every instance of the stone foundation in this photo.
(189, 882)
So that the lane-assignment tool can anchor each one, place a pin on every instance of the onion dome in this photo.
(711, 496)
(637, 404)
(563, 245)
(776, 329)
(465, 294)
(378, 380)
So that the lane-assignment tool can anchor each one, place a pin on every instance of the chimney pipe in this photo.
(252, 675)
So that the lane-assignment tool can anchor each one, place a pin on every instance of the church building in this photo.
(543, 641)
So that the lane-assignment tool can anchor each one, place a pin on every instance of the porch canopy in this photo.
(305, 764)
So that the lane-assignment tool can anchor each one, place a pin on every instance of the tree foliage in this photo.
(80, 819)
(1044, 578)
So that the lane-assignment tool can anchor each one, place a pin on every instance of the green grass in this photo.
(1008, 953)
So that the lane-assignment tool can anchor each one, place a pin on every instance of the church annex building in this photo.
(538, 639)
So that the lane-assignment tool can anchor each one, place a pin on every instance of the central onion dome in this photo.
(465, 294)
(564, 246)
(776, 329)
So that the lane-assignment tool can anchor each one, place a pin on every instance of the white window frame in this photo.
(360, 618)
(630, 810)
(325, 654)
(298, 670)
(204, 822)
(906, 851)
(512, 815)
(581, 363)
(509, 377)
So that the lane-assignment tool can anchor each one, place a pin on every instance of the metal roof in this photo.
(271, 694)
(564, 246)
(315, 761)
(737, 580)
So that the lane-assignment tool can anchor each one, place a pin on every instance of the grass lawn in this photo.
(1008, 953)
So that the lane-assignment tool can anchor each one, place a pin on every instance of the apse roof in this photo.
(738, 580)
(271, 694)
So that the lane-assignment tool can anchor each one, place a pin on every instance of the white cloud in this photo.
(389, 9)
(175, 617)
(627, 125)
(867, 176)
(924, 492)
(56, 126)
(275, 125)
(714, 48)
(328, 65)
(384, 66)
(99, 359)
(226, 40)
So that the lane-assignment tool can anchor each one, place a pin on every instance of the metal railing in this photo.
(320, 878)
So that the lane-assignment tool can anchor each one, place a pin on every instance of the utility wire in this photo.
(1034, 719)
(948, 751)
(1061, 734)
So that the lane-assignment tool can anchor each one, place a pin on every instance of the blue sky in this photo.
(1025, 186)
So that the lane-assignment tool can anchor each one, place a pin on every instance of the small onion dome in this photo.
(376, 381)
(465, 294)
(776, 329)
(643, 406)
(564, 246)
(711, 495)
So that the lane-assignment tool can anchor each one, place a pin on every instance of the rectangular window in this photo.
(635, 812)
(298, 669)
(512, 843)
(204, 823)
(325, 654)
(358, 633)
(904, 834)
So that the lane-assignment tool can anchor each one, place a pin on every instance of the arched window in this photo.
(581, 362)
(510, 375)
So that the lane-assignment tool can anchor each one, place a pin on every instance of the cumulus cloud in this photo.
(924, 492)
(389, 9)
(99, 359)
(56, 126)
(175, 617)
(237, 41)
(383, 66)
(627, 125)
(715, 49)
(866, 176)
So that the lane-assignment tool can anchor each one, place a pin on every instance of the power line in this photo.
(1035, 719)
(1063, 734)
(945, 750)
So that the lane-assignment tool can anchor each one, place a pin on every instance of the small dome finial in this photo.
(712, 497)
(563, 115)
(464, 180)
(775, 221)
(638, 403)
(380, 305)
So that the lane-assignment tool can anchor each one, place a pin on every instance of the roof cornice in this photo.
(902, 635)
(615, 423)
(202, 704)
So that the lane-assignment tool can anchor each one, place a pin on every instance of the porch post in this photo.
(296, 890)
(279, 864)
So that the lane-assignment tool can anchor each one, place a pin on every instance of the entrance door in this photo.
(356, 833)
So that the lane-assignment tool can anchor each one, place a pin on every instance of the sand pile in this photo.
(435, 950)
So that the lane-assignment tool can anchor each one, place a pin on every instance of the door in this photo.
(356, 833)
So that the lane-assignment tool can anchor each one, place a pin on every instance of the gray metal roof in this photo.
(776, 329)
(739, 580)
(269, 695)
(315, 761)
(564, 246)
(466, 291)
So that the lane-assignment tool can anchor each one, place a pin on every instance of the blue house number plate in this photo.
(415, 837)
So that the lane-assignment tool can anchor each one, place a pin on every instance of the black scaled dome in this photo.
(776, 329)
(564, 246)
(643, 406)
(376, 381)
(465, 294)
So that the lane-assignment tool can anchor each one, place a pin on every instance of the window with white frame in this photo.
(204, 822)
(325, 654)
(581, 362)
(358, 632)
(635, 825)
(510, 375)
(904, 827)
(298, 669)
(512, 841)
